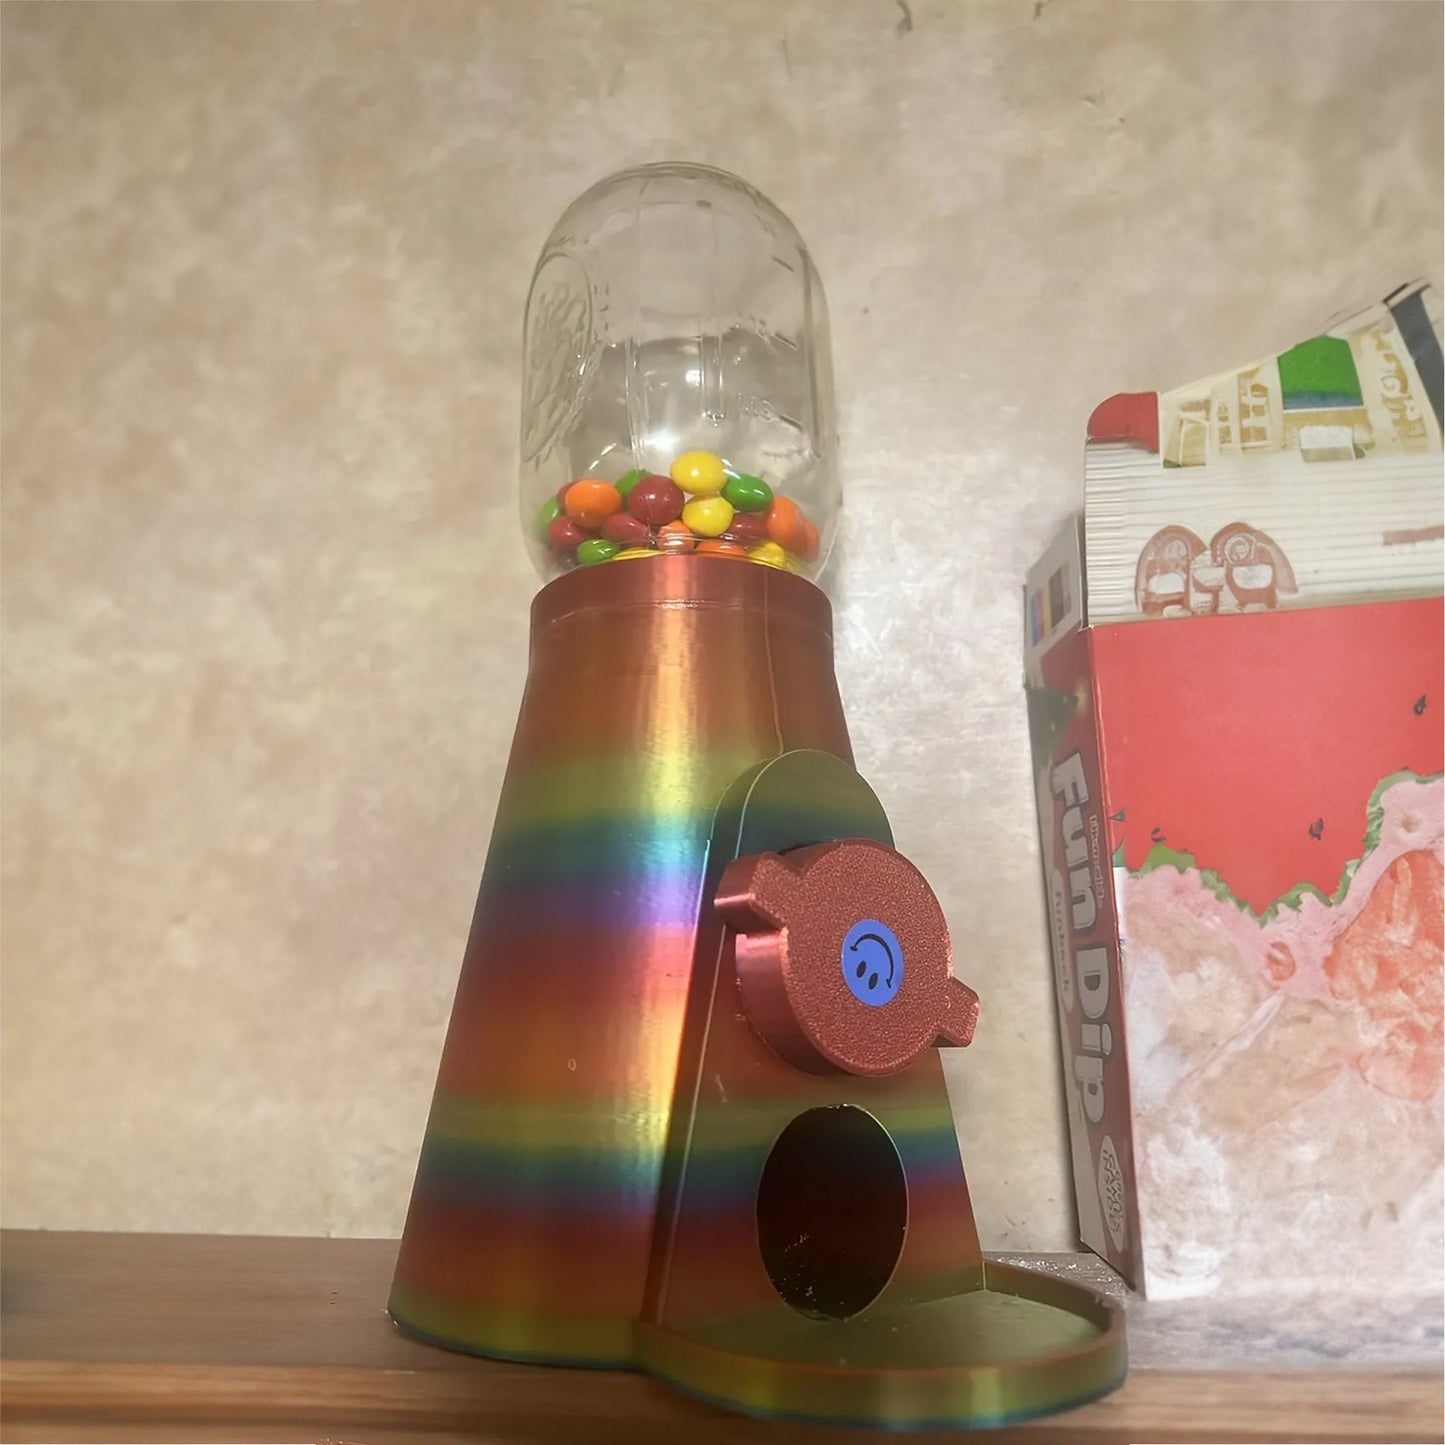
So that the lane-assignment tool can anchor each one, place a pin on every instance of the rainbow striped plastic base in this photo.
(618, 1170)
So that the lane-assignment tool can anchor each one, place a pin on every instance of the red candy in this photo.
(564, 534)
(656, 500)
(746, 528)
(626, 529)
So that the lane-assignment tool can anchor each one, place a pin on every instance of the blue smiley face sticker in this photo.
(872, 962)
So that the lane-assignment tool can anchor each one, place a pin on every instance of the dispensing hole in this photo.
(832, 1211)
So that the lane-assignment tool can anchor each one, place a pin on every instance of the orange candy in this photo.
(715, 548)
(811, 541)
(786, 524)
(676, 537)
(589, 503)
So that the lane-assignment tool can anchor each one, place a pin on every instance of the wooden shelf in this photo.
(184, 1337)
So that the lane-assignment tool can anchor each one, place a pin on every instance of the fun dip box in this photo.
(1234, 672)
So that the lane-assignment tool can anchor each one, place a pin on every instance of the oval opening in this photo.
(832, 1212)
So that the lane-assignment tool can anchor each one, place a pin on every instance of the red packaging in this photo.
(1240, 811)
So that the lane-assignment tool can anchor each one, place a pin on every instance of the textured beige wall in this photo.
(264, 601)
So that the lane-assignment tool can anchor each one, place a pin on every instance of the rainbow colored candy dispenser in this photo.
(691, 1114)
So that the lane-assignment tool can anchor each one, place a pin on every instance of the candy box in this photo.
(1234, 672)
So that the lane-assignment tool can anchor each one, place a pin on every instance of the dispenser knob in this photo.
(843, 957)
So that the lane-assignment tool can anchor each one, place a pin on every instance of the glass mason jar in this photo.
(678, 392)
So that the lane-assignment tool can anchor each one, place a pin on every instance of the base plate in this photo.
(1024, 1345)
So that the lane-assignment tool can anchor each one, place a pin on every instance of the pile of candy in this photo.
(701, 506)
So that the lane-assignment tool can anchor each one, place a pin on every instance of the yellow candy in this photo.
(769, 554)
(708, 516)
(634, 552)
(700, 473)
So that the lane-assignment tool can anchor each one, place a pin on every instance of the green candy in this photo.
(598, 549)
(550, 510)
(748, 494)
(626, 484)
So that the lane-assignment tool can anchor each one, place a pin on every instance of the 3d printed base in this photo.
(692, 1117)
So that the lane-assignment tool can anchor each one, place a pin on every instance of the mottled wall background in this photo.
(264, 598)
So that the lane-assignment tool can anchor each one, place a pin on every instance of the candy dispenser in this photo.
(690, 1115)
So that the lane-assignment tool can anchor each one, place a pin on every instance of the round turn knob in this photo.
(843, 957)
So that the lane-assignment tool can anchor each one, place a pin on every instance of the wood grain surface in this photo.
(119, 1337)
